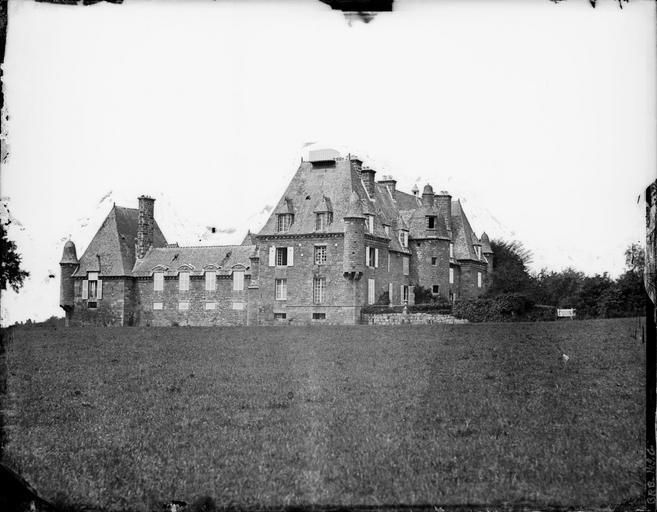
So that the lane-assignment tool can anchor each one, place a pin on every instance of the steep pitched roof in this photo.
(485, 244)
(171, 259)
(463, 237)
(418, 224)
(112, 249)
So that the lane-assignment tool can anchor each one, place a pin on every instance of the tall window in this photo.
(477, 249)
(281, 256)
(210, 280)
(281, 289)
(370, 223)
(386, 229)
(479, 279)
(183, 281)
(371, 291)
(319, 289)
(323, 220)
(238, 280)
(451, 276)
(405, 265)
(404, 292)
(158, 281)
(93, 285)
(403, 238)
(451, 250)
(320, 254)
(285, 220)
(372, 257)
(390, 288)
(434, 261)
(431, 222)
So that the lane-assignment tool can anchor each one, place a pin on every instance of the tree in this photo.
(10, 263)
(510, 267)
(635, 259)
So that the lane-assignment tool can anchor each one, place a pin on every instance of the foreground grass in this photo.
(129, 418)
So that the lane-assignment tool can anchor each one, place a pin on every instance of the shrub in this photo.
(502, 308)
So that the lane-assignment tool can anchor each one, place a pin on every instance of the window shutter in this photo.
(290, 256)
(376, 258)
(390, 293)
(99, 290)
(401, 294)
(85, 289)
(367, 256)
(272, 256)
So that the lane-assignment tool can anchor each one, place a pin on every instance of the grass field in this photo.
(486, 414)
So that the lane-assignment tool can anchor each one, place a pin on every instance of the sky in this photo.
(539, 116)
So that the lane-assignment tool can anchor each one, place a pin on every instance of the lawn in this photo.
(361, 415)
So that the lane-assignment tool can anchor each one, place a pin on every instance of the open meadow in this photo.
(479, 413)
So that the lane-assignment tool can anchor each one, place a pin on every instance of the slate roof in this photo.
(112, 249)
(485, 244)
(172, 259)
(463, 237)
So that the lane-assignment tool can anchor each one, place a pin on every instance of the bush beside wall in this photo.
(508, 307)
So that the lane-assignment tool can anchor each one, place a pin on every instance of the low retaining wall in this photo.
(409, 318)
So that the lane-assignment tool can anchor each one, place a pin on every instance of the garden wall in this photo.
(409, 318)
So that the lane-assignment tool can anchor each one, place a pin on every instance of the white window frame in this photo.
(183, 281)
(319, 255)
(477, 249)
(406, 264)
(319, 290)
(405, 294)
(210, 280)
(209, 306)
(284, 222)
(371, 291)
(158, 306)
(479, 280)
(280, 289)
(158, 281)
(238, 280)
(451, 275)
(183, 305)
(370, 223)
(451, 250)
(390, 292)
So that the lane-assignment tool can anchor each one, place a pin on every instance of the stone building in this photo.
(337, 240)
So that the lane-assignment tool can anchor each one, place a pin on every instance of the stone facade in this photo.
(337, 241)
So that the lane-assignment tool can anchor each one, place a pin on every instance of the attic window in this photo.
(386, 229)
(431, 222)
(370, 223)
(323, 220)
(285, 220)
(477, 249)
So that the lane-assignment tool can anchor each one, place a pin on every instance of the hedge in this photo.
(508, 307)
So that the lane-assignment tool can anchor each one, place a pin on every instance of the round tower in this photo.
(427, 196)
(353, 263)
(68, 264)
(488, 252)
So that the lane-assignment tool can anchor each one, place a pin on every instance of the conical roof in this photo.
(355, 209)
(69, 254)
(485, 244)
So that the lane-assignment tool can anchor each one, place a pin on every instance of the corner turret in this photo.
(353, 264)
(68, 265)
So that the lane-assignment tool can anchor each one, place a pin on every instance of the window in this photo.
(451, 276)
(158, 281)
(404, 293)
(323, 220)
(210, 305)
(158, 305)
(319, 290)
(389, 256)
(93, 290)
(370, 223)
(281, 256)
(372, 257)
(320, 254)
(477, 249)
(451, 250)
(281, 289)
(386, 229)
(285, 220)
(183, 281)
(238, 280)
(370, 291)
(434, 261)
(210, 281)
(435, 289)
(405, 265)
(390, 293)
(403, 238)
(183, 305)
(479, 279)
(280, 316)
(431, 222)
(239, 306)
(319, 316)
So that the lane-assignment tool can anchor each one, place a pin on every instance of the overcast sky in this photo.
(541, 117)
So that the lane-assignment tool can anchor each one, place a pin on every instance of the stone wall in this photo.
(109, 308)
(468, 279)
(410, 319)
(423, 272)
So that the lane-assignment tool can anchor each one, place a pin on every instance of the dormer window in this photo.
(323, 220)
(386, 228)
(403, 239)
(285, 220)
(370, 223)
(431, 222)
(477, 249)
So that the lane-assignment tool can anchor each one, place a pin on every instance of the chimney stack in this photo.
(444, 203)
(367, 175)
(389, 182)
(415, 190)
(427, 196)
(145, 225)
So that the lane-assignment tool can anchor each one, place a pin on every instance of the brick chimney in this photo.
(444, 203)
(367, 175)
(427, 196)
(145, 226)
(389, 182)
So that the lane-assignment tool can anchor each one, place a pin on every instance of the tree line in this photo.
(596, 296)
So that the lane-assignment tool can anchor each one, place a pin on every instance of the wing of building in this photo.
(337, 240)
